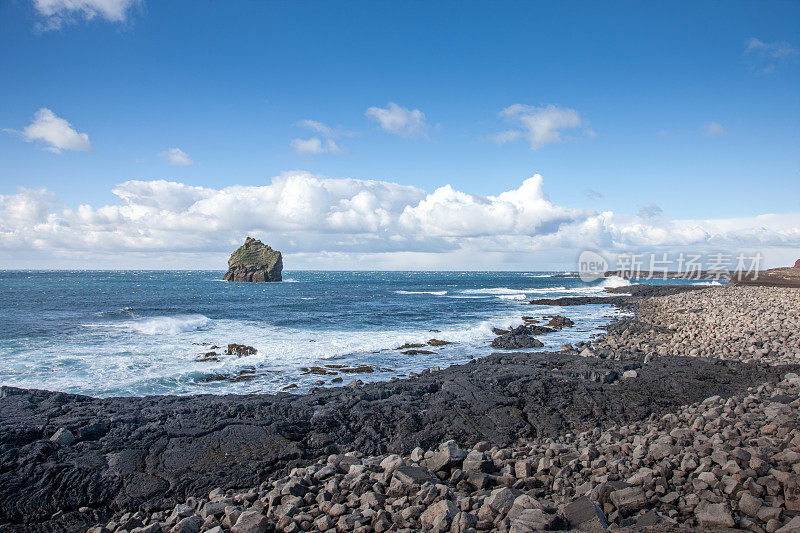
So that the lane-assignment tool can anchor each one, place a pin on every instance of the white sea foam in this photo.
(435, 293)
(615, 281)
(278, 346)
(512, 296)
(708, 283)
(545, 290)
(161, 325)
(597, 290)
(494, 290)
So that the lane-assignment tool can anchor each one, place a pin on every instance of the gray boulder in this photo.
(535, 520)
(629, 500)
(447, 456)
(584, 515)
(714, 515)
(63, 437)
(441, 512)
(250, 522)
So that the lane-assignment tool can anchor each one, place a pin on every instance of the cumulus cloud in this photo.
(59, 12)
(177, 157)
(314, 146)
(27, 208)
(541, 125)
(764, 58)
(523, 211)
(54, 132)
(319, 221)
(714, 129)
(399, 120)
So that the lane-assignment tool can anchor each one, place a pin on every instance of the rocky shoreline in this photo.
(620, 430)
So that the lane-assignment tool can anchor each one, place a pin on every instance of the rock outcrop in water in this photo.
(516, 339)
(254, 261)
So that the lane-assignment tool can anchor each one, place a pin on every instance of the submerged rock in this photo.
(517, 338)
(410, 345)
(559, 321)
(438, 342)
(254, 261)
(240, 350)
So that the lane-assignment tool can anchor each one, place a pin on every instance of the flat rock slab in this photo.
(151, 451)
(414, 475)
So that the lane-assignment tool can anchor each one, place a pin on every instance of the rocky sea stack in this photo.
(254, 261)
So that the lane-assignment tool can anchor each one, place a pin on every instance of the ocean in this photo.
(135, 333)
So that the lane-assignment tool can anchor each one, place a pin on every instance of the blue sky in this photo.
(691, 109)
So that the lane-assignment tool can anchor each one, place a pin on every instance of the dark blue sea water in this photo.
(110, 333)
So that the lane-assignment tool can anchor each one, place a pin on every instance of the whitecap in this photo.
(541, 290)
(160, 325)
(435, 293)
(511, 296)
(495, 290)
(614, 282)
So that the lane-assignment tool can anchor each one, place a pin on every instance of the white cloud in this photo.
(541, 125)
(56, 133)
(714, 129)
(27, 208)
(507, 136)
(318, 221)
(58, 12)
(399, 120)
(314, 146)
(451, 213)
(319, 127)
(764, 58)
(176, 156)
